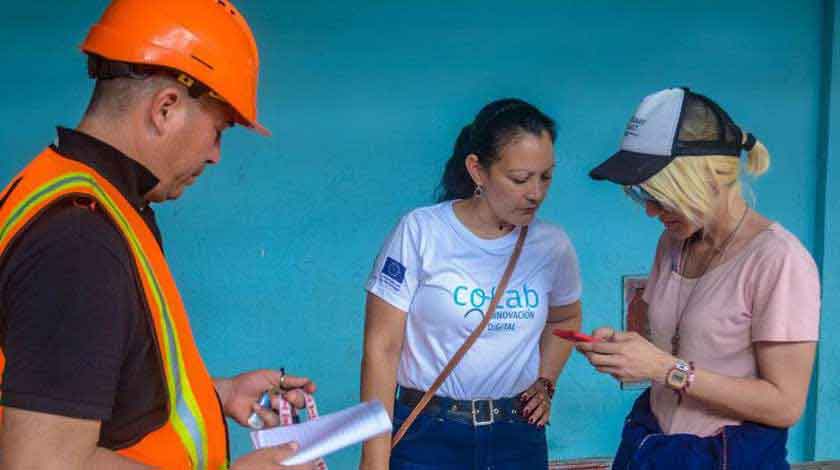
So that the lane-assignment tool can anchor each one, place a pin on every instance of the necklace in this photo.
(680, 312)
(481, 222)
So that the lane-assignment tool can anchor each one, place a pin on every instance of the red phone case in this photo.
(575, 336)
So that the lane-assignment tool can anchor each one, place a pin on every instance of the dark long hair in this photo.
(498, 124)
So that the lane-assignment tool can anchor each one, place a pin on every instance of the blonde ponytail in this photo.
(758, 158)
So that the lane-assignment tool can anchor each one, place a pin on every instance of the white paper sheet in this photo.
(329, 433)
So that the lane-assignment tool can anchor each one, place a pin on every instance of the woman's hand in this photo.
(537, 402)
(627, 356)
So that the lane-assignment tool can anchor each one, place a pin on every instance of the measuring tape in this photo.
(284, 409)
(287, 417)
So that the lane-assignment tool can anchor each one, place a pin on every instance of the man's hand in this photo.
(239, 395)
(270, 458)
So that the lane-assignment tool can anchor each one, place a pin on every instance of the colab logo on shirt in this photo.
(515, 305)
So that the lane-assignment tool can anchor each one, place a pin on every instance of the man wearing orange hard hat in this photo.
(100, 368)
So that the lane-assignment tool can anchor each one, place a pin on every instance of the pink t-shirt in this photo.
(770, 291)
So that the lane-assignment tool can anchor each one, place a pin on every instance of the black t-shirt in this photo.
(74, 326)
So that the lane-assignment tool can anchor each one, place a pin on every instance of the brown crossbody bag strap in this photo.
(500, 289)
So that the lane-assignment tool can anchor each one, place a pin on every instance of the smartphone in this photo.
(575, 336)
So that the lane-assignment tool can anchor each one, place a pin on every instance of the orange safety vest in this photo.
(194, 435)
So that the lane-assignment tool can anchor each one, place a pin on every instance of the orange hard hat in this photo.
(208, 40)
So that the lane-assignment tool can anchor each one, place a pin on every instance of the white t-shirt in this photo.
(435, 269)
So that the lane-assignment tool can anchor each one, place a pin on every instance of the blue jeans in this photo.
(748, 446)
(440, 443)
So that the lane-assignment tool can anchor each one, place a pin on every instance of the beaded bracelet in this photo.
(690, 378)
(549, 386)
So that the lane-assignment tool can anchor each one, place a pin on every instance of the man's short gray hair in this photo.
(116, 96)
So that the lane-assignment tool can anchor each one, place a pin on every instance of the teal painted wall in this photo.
(827, 443)
(365, 99)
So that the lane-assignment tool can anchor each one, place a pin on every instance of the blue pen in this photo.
(265, 403)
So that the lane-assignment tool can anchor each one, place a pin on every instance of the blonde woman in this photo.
(732, 300)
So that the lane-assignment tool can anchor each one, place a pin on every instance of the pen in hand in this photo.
(265, 402)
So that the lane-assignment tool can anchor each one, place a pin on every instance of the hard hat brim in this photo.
(259, 129)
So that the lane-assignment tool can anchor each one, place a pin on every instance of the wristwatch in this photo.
(677, 376)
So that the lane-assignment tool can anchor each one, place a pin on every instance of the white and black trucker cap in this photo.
(671, 123)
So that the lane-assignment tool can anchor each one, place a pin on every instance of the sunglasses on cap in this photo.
(638, 195)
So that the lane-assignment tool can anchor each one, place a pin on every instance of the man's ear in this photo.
(165, 107)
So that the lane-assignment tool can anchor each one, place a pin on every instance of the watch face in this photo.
(677, 378)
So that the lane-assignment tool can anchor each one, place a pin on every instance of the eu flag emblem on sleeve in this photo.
(394, 270)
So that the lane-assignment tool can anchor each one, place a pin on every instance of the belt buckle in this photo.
(475, 412)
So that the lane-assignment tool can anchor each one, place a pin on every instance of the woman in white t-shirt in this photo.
(431, 285)
(732, 300)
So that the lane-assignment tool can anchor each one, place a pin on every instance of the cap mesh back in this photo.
(706, 129)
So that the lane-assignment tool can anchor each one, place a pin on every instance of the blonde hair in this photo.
(688, 184)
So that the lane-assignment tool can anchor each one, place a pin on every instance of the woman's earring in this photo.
(479, 190)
